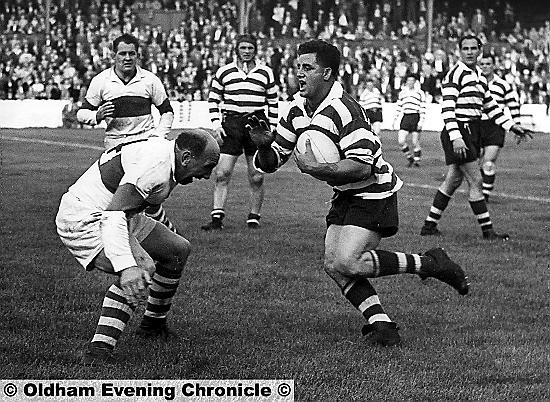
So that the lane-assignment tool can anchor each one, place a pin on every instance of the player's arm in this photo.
(494, 111)
(214, 100)
(272, 97)
(511, 100)
(116, 242)
(422, 111)
(161, 101)
(336, 174)
(94, 109)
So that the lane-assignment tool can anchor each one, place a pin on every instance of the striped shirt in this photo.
(371, 99)
(234, 90)
(465, 96)
(132, 102)
(344, 121)
(505, 96)
(411, 101)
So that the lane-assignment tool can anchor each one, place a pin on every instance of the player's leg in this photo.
(417, 149)
(116, 311)
(402, 140)
(488, 169)
(257, 191)
(170, 251)
(453, 180)
(472, 175)
(222, 174)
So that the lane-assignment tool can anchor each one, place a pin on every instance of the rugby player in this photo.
(238, 88)
(100, 221)
(364, 206)
(465, 96)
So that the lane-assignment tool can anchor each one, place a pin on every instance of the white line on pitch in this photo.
(284, 168)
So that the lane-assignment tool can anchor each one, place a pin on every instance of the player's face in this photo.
(410, 82)
(487, 66)
(469, 52)
(246, 51)
(126, 58)
(200, 167)
(311, 76)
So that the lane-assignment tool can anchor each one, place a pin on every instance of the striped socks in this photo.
(363, 297)
(440, 203)
(115, 314)
(482, 214)
(161, 291)
(392, 263)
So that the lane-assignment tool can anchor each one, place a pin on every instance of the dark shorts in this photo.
(470, 134)
(409, 122)
(491, 134)
(374, 115)
(237, 138)
(380, 216)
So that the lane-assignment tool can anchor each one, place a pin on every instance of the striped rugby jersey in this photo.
(465, 96)
(371, 99)
(505, 96)
(411, 101)
(344, 121)
(234, 90)
(132, 101)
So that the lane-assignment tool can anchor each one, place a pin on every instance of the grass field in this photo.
(257, 304)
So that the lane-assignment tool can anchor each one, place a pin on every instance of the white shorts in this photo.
(78, 227)
(111, 142)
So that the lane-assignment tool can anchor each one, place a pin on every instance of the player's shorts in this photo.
(113, 141)
(409, 122)
(471, 135)
(491, 134)
(236, 137)
(374, 115)
(78, 227)
(380, 216)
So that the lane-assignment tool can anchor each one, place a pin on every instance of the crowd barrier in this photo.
(48, 113)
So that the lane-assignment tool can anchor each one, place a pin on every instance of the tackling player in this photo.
(364, 205)
(492, 135)
(100, 222)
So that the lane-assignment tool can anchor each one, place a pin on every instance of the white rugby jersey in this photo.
(344, 121)
(505, 96)
(465, 96)
(234, 90)
(371, 99)
(132, 101)
(148, 164)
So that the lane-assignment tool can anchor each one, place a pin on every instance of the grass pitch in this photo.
(257, 304)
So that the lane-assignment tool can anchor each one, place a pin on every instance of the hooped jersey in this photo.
(148, 164)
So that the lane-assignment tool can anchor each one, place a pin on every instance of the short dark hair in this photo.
(191, 139)
(248, 38)
(469, 36)
(488, 56)
(326, 55)
(411, 75)
(125, 38)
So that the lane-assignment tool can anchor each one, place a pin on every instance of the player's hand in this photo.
(134, 282)
(105, 110)
(259, 131)
(459, 148)
(306, 161)
(521, 133)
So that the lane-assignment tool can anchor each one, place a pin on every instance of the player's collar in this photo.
(336, 92)
(139, 75)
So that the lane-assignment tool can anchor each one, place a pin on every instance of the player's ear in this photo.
(327, 72)
(185, 157)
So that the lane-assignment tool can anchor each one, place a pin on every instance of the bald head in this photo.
(197, 153)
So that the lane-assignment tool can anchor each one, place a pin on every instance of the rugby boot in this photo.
(492, 235)
(382, 333)
(445, 270)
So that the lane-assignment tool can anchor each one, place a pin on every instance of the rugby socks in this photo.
(406, 150)
(482, 215)
(217, 213)
(115, 314)
(417, 155)
(488, 182)
(161, 291)
(392, 263)
(363, 297)
(253, 220)
(441, 201)
(157, 213)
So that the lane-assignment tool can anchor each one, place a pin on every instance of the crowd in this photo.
(376, 40)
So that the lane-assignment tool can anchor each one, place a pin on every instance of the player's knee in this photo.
(256, 179)
(180, 252)
(488, 167)
(343, 265)
(223, 175)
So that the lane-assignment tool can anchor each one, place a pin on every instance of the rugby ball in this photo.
(324, 149)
